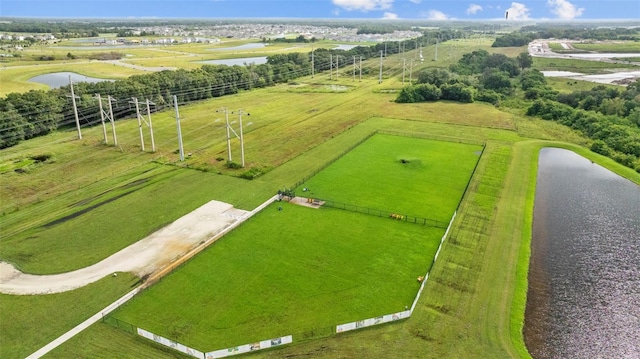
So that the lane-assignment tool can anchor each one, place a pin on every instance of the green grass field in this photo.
(575, 65)
(30, 322)
(331, 266)
(374, 175)
(288, 272)
(610, 46)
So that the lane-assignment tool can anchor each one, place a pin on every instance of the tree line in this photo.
(37, 112)
(478, 75)
(610, 117)
(527, 34)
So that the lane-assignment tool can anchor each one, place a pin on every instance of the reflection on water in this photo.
(238, 61)
(345, 47)
(249, 46)
(59, 79)
(584, 277)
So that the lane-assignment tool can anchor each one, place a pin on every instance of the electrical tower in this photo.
(380, 76)
(180, 147)
(333, 66)
(231, 130)
(359, 66)
(75, 108)
(109, 116)
(142, 119)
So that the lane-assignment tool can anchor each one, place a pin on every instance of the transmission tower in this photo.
(181, 149)
(359, 66)
(109, 116)
(75, 108)
(142, 119)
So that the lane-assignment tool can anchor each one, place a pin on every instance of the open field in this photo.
(404, 175)
(569, 85)
(333, 266)
(473, 303)
(610, 46)
(29, 322)
(581, 66)
(187, 56)
(288, 272)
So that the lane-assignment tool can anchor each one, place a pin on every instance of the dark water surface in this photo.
(584, 277)
(241, 61)
(59, 79)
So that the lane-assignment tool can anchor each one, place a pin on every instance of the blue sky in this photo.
(327, 9)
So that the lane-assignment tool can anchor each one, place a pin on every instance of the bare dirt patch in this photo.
(304, 201)
(144, 258)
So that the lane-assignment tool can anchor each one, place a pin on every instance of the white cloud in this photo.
(435, 15)
(473, 9)
(416, 1)
(518, 11)
(336, 12)
(564, 9)
(390, 16)
(363, 5)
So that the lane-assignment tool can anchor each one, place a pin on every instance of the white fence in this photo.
(400, 315)
(263, 344)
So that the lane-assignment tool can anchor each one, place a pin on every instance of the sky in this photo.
(328, 9)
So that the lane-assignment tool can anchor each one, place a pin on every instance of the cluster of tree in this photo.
(476, 76)
(607, 101)
(37, 112)
(529, 33)
(381, 28)
(299, 39)
(515, 39)
(535, 86)
(580, 31)
(132, 33)
(614, 136)
(61, 29)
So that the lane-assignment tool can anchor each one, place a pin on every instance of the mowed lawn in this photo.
(288, 271)
(410, 176)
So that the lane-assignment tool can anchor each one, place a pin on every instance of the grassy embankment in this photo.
(610, 46)
(458, 330)
(29, 322)
(580, 66)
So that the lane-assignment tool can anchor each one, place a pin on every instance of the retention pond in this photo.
(584, 277)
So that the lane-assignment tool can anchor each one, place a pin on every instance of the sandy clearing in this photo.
(144, 257)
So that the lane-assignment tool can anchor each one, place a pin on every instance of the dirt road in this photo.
(144, 257)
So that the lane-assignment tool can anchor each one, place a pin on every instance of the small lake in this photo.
(238, 61)
(345, 47)
(249, 46)
(583, 299)
(59, 79)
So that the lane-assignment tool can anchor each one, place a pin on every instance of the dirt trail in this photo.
(144, 257)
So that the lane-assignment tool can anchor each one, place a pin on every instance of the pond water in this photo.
(59, 79)
(584, 277)
(238, 61)
(249, 46)
(345, 47)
